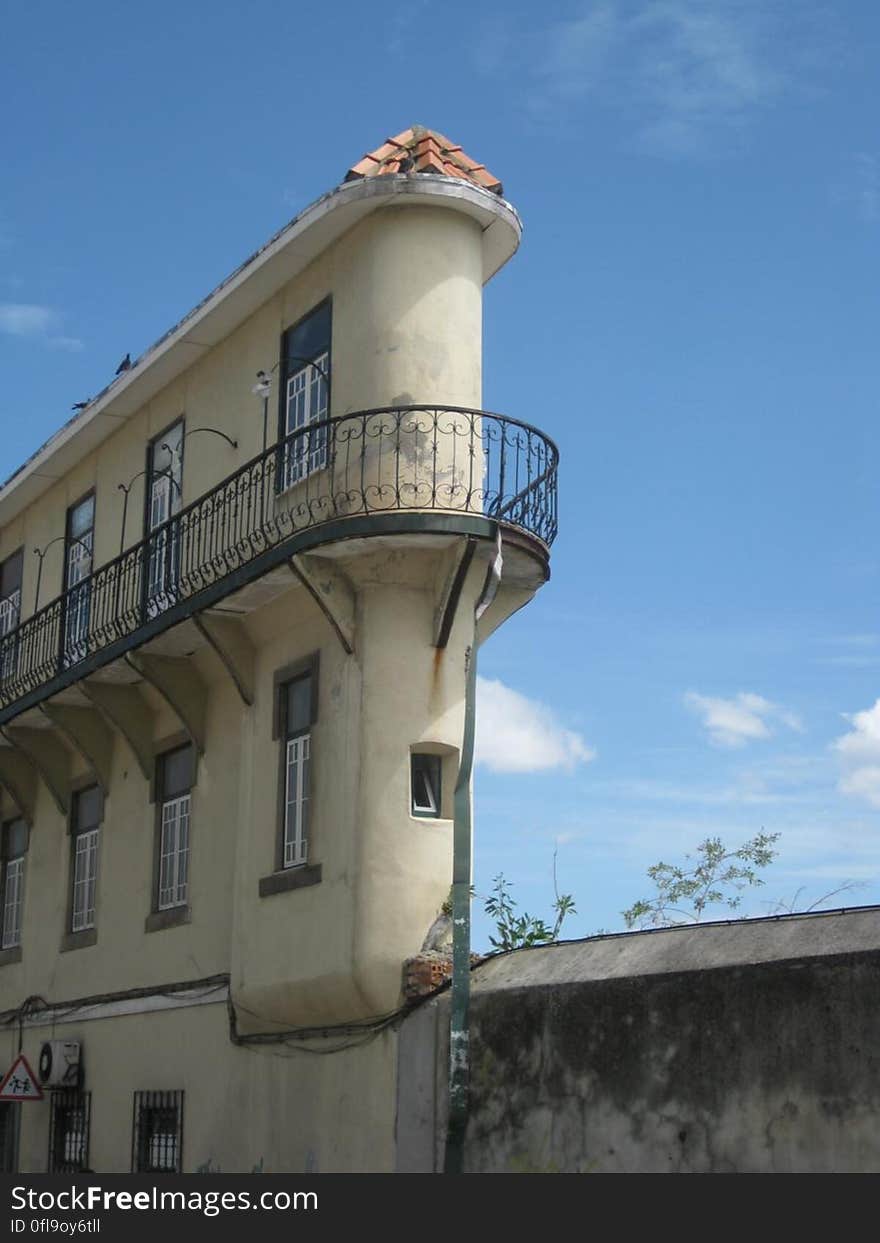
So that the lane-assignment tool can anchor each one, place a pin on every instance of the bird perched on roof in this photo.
(124, 365)
(406, 164)
(81, 405)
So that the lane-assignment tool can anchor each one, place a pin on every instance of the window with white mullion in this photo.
(85, 879)
(13, 888)
(174, 853)
(79, 567)
(160, 511)
(10, 612)
(78, 558)
(296, 811)
(164, 498)
(307, 403)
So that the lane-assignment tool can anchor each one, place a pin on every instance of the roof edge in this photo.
(349, 202)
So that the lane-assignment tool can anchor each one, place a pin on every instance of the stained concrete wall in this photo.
(744, 1047)
(268, 1109)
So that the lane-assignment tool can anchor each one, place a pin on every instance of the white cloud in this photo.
(744, 718)
(35, 323)
(687, 75)
(577, 51)
(859, 752)
(20, 319)
(520, 735)
(704, 69)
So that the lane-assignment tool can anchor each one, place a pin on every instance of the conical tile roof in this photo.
(420, 150)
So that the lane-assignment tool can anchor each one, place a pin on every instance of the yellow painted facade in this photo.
(149, 997)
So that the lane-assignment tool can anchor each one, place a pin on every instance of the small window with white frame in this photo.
(15, 844)
(86, 816)
(174, 780)
(425, 784)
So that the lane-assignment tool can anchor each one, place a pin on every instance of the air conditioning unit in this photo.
(59, 1065)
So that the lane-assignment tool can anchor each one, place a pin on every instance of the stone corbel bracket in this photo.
(229, 639)
(177, 681)
(86, 732)
(42, 749)
(333, 593)
(125, 710)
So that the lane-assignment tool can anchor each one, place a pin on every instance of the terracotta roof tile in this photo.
(430, 152)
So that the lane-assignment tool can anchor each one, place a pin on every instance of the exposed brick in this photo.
(425, 974)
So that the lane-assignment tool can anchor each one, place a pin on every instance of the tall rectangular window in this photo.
(164, 496)
(10, 613)
(174, 783)
(79, 540)
(69, 1131)
(305, 396)
(157, 1133)
(88, 811)
(15, 844)
(296, 712)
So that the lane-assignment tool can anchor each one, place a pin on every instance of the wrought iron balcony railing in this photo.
(403, 460)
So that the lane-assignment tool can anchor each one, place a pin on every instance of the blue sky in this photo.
(692, 316)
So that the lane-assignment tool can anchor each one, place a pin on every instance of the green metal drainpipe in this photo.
(459, 1016)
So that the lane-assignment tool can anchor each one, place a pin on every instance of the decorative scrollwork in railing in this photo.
(426, 458)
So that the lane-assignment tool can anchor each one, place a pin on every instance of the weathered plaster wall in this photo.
(743, 1047)
(271, 1109)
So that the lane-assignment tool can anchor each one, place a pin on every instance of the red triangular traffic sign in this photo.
(20, 1082)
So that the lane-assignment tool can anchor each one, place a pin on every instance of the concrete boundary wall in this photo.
(747, 1046)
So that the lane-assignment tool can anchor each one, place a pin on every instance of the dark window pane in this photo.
(176, 772)
(426, 784)
(298, 705)
(10, 575)
(15, 841)
(88, 809)
(308, 339)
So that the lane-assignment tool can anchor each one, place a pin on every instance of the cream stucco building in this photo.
(237, 591)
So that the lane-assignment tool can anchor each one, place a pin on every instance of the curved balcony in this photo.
(390, 470)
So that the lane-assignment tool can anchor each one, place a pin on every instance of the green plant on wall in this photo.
(516, 931)
(715, 876)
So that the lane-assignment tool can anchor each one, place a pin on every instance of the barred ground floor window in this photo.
(69, 1121)
(157, 1133)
